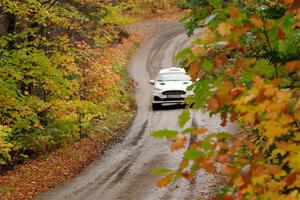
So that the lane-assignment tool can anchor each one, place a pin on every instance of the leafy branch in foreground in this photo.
(248, 60)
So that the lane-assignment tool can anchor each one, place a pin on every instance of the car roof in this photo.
(172, 70)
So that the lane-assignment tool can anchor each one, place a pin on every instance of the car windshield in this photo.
(173, 77)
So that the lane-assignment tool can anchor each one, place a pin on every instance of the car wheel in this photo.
(156, 106)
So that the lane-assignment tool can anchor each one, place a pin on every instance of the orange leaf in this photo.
(277, 81)
(274, 169)
(220, 60)
(178, 143)
(233, 117)
(291, 179)
(188, 176)
(227, 84)
(230, 170)
(209, 165)
(298, 14)
(280, 34)
(295, 5)
(292, 66)
(164, 181)
(269, 25)
(224, 28)
(222, 158)
(197, 49)
(213, 105)
(224, 118)
(235, 92)
(227, 197)
(245, 62)
(183, 165)
(223, 145)
(288, 1)
(208, 36)
(194, 70)
(199, 131)
(256, 20)
(234, 12)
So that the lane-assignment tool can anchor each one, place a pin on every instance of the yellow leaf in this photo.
(248, 118)
(199, 131)
(197, 49)
(256, 20)
(273, 129)
(224, 28)
(178, 143)
(208, 36)
(183, 165)
(260, 179)
(164, 181)
(294, 159)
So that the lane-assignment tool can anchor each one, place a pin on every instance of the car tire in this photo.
(156, 106)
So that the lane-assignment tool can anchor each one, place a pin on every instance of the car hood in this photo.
(173, 85)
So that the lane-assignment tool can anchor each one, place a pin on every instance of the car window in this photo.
(173, 77)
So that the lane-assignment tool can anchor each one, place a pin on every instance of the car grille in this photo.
(176, 99)
(156, 98)
(174, 92)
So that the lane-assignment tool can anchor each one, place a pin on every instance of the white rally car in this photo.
(170, 87)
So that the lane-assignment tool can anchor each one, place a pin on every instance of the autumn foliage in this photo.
(248, 60)
(61, 74)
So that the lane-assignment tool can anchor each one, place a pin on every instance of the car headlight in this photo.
(157, 89)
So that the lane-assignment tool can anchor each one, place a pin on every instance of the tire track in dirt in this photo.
(124, 171)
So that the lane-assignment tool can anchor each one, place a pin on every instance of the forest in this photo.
(61, 82)
(58, 76)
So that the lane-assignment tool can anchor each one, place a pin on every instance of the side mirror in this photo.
(151, 82)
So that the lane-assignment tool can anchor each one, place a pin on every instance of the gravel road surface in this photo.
(124, 171)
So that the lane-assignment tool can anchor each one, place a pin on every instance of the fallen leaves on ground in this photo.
(48, 170)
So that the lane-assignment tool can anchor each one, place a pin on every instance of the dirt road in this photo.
(124, 171)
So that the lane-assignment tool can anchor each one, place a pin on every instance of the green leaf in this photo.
(224, 136)
(216, 4)
(206, 144)
(264, 68)
(247, 76)
(202, 92)
(188, 130)
(183, 53)
(192, 154)
(169, 134)
(207, 65)
(184, 117)
(161, 171)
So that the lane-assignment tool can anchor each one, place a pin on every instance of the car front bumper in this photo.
(160, 98)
